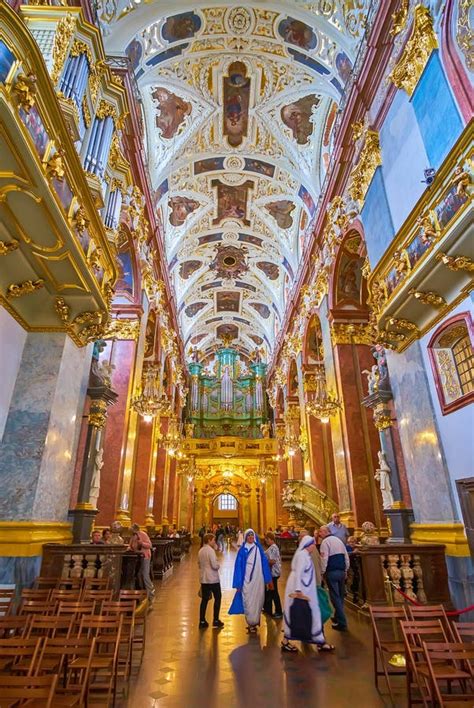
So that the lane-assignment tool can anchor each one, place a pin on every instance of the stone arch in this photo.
(313, 352)
(348, 292)
(453, 64)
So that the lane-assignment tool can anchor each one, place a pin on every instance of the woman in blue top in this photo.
(251, 574)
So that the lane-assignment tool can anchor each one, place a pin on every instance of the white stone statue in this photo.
(95, 482)
(288, 495)
(382, 475)
(372, 379)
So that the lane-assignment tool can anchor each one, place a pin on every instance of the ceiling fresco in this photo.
(239, 105)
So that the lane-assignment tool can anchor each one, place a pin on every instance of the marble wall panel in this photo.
(377, 219)
(12, 341)
(461, 581)
(57, 465)
(141, 470)
(19, 571)
(425, 461)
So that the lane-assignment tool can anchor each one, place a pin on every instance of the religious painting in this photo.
(124, 282)
(249, 238)
(182, 26)
(210, 238)
(349, 278)
(255, 338)
(150, 334)
(281, 212)
(172, 111)
(187, 268)
(210, 164)
(260, 167)
(227, 301)
(297, 117)
(181, 208)
(343, 66)
(229, 261)
(450, 205)
(193, 309)
(297, 33)
(64, 192)
(7, 60)
(198, 338)
(227, 330)
(34, 125)
(232, 201)
(307, 199)
(271, 270)
(161, 191)
(211, 286)
(236, 103)
(263, 310)
(134, 52)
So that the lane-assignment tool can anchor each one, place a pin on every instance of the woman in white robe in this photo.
(301, 584)
(251, 574)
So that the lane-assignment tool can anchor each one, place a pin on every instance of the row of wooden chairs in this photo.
(438, 654)
(54, 635)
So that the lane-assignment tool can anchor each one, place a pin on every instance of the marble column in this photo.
(101, 396)
(38, 449)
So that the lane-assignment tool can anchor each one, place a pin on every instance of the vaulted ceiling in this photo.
(239, 104)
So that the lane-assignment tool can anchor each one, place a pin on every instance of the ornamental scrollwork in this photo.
(24, 91)
(64, 31)
(25, 288)
(411, 64)
(361, 176)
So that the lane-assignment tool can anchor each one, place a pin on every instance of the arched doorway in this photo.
(225, 510)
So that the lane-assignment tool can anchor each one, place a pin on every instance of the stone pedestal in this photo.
(398, 521)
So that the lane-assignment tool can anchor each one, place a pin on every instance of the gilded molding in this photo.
(24, 91)
(64, 31)
(55, 167)
(411, 64)
(78, 48)
(86, 112)
(452, 535)
(464, 32)
(400, 18)
(83, 328)
(106, 110)
(382, 422)
(348, 333)
(361, 176)
(428, 298)
(8, 247)
(24, 288)
(122, 329)
(26, 538)
(98, 413)
(401, 323)
(80, 221)
(456, 263)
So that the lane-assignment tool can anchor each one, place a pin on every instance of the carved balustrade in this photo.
(301, 496)
(419, 571)
(91, 561)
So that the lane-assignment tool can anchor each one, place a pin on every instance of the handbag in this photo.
(324, 606)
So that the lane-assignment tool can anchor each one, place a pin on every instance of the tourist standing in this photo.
(210, 582)
(140, 543)
(338, 529)
(303, 621)
(251, 574)
(220, 533)
(274, 561)
(334, 566)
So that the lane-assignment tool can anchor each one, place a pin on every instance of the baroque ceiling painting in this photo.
(239, 107)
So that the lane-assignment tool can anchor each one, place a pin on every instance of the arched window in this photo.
(452, 360)
(227, 502)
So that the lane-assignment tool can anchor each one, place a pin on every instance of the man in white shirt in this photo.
(210, 583)
(334, 566)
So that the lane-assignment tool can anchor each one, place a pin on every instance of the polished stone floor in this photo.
(185, 667)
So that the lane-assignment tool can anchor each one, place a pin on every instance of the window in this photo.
(226, 502)
(452, 360)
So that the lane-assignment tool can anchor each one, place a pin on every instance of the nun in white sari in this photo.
(251, 574)
(301, 586)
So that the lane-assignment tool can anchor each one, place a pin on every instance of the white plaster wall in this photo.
(456, 429)
(12, 341)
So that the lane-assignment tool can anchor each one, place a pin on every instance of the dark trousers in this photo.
(335, 580)
(208, 589)
(272, 597)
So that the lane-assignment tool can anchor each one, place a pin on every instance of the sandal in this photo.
(326, 647)
(286, 646)
(252, 630)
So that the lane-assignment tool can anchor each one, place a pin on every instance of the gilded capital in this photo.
(411, 64)
(361, 176)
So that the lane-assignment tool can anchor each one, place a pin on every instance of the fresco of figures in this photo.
(297, 117)
(236, 103)
(181, 208)
(232, 201)
(172, 111)
(281, 212)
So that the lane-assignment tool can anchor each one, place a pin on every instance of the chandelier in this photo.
(322, 405)
(150, 403)
(172, 439)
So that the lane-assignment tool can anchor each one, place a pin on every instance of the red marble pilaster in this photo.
(80, 454)
(361, 439)
(321, 455)
(171, 493)
(143, 455)
(115, 434)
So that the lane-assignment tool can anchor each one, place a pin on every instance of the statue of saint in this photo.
(95, 482)
(382, 475)
(189, 429)
(265, 428)
(379, 355)
(372, 379)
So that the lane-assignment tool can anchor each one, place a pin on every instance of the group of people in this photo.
(256, 574)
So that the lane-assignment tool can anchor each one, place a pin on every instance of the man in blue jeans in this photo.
(334, 566)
